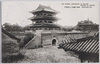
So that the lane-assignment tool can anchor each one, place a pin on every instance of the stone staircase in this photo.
(34, 42)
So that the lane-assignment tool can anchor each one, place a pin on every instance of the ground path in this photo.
(50, 54)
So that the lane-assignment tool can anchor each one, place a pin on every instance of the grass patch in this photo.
(10, 50)
(12, 58)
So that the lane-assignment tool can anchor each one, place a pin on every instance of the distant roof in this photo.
(44, 8)
(86, 22)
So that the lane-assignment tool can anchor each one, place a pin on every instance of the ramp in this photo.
(34, 42)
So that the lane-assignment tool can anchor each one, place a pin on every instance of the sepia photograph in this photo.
(50, 31)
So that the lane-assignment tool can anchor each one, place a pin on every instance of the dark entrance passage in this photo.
(53, 42)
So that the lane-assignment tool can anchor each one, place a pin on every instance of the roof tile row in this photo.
(88, 45)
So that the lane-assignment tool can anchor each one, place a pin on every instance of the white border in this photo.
(44, 0)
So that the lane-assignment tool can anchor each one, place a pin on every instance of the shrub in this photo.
(26, 39)
(12, 58)
(10, 51)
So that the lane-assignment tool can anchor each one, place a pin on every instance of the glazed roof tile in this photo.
(88, 45)
(45, 8)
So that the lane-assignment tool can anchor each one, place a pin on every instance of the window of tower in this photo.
(50, 21)
(49, 29)
(45, 21)
(45, 28)
(44, 14)
(37, 14)
(49, 14)
(36, 21)
(40, 21)
(41, 14)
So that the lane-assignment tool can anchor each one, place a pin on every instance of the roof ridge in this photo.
(43, 7)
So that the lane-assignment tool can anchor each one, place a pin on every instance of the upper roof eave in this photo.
(45, 8)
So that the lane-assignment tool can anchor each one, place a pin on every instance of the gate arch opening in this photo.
(54, 42)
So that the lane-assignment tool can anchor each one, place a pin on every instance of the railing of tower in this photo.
(54, 31)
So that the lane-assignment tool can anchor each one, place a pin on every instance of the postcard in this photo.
(49, 31)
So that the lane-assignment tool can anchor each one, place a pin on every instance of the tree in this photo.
(14, 27)
(7, 26)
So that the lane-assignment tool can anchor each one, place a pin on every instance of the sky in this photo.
(18, 12)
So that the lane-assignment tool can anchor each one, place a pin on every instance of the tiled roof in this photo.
(44, 18)
(44, 25)
(45, 8)
(73, 38)
(88, 45)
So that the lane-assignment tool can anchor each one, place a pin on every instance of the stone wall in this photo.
(46, 38)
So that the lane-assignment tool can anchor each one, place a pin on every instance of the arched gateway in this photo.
(54, 42)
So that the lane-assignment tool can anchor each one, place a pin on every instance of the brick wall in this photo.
(46, 38)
